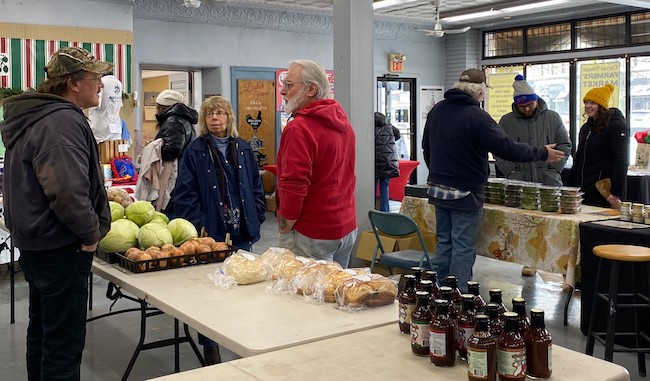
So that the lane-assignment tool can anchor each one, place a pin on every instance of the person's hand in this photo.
(554, 155)
(89, 248)
(614, 202)
(284, 225)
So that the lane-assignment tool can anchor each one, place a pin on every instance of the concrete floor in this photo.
(110, 342)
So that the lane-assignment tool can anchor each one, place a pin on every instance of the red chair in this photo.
(396, 185)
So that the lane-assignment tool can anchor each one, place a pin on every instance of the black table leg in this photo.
(566, 305)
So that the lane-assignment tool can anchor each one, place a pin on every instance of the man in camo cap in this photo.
(56, 206)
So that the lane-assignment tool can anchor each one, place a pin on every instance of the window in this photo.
(504, 43)
(551, 38)
(551, 82)
(640, 28)
(603, 32)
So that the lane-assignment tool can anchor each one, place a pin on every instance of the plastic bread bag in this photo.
(275, 256)
(284, 274)
(311, 274)
(365, 291)
(326, 288)
(241, 268)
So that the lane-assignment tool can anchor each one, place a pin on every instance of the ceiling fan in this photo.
(437, 28)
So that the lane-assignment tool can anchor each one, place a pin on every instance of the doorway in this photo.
(396, 100)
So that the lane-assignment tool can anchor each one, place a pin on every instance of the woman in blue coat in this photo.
(219, 186)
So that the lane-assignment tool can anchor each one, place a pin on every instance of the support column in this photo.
(353, 88)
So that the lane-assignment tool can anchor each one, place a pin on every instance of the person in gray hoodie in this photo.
(531, 122)
(56, 206)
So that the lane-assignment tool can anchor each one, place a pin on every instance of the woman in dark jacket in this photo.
(386, 165)
(603, 147)
(219, 187)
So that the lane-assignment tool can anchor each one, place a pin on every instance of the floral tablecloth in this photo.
(542, 240)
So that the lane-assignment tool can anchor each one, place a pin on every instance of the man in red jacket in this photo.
(316, 180)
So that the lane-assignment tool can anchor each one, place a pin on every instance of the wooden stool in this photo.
(617, 254)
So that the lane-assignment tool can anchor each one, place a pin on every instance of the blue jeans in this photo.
(457, 231)
(58, 296)
(383, 194)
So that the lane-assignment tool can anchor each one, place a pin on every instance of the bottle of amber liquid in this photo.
(474, 288)
(427, 285)
(511, 351)
(406, 301)
(442, 350)
(495, 324)
(417, 271)
(539, 345)
(496, 297)
(452, 282)
(481, 352)
(420, 320)
(446, 294)
(466, 325)
(519, 306)
(433, 276)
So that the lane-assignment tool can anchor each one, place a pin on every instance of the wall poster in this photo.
(256, 117)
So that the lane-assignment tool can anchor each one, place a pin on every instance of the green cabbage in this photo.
(117, 210)
(122, 236)
(181, 230)
(153, 234)
(159, 221)
(162, 216)
(140, 212)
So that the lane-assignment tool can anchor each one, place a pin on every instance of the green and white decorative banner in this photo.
(22, 60)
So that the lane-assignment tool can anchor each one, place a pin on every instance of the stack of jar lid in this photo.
(513, 193)
(638, 212)
(495, 191)
(570, 200)
(530, 196)
(550, 198)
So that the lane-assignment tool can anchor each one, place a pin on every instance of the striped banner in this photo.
(22, 60)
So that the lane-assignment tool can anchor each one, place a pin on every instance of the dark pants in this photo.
(58, 294)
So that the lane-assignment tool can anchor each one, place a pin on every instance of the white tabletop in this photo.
(245, 319)
(380, 354)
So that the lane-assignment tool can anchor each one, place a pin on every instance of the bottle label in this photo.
(550, 356)
(511, 362)
(462, 335)
(438, 343)
(477, 361)
(405, 311)
(420, 334)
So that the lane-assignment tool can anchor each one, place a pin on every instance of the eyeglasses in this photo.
(210, 114)
(529, 106)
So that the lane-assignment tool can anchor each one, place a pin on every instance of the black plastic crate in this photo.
(106, 256)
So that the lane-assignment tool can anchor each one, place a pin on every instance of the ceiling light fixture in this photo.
(495, 12)
(378, 4)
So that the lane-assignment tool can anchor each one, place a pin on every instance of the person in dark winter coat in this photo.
(532, 122)
(603, 150)
(176, 129)
(219, 187)
(56, 207)
(386, 165)
(457, 138)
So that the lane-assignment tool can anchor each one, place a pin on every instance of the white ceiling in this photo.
(423, 11)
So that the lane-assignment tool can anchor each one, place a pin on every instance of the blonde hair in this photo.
(476, 90)
(218, 103)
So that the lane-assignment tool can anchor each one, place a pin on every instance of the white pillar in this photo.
(353, 88)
